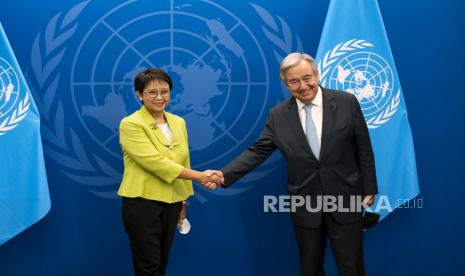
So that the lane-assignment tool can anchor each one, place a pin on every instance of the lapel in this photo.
(329, 108)
(149, 123)
(292, 116)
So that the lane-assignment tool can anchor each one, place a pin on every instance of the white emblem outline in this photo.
(338, 52)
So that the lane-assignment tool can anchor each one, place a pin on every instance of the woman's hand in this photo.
(182, 215)
(211, 179)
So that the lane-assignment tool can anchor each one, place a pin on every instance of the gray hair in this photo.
(294, 59)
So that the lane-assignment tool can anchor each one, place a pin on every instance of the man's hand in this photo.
(368, 201)
(215, 178)
(210, 179)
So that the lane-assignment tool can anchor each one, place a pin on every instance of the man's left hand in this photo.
(368, 201)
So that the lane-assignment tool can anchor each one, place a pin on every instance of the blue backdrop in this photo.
(80, 58)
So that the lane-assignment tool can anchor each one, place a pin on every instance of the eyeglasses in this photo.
(294, 83)
(154, 94)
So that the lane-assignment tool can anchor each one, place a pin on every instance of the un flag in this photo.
(24, 196)
(354, 56)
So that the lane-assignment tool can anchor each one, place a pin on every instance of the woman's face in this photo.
(155, 96)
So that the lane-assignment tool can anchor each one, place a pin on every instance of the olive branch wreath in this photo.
(10, 122)
(47, 53)
(278, 32)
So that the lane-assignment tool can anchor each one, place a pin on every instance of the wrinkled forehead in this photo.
(300, 70)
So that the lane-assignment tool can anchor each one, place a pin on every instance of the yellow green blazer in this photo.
(151, 163)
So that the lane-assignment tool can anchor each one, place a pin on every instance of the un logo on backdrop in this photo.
(219, 71)
(350, 67)
(218, 65)
(14, 100)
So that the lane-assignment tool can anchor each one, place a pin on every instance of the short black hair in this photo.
(151, 74)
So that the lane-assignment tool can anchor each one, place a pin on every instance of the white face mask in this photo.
(184, 227)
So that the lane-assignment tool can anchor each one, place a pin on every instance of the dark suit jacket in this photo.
(346, 165)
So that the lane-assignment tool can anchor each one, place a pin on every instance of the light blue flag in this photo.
(354, 56)
(24, 196)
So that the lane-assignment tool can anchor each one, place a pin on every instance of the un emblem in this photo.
(219, 68)
(14, 100)
(350, 67)
(211, 69)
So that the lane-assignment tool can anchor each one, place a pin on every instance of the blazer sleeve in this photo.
(253, 156)
(187, 164)
(364, 150)
(138, 146)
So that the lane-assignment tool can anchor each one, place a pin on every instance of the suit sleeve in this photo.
(138, 146)
(364, 150)
(253, 156)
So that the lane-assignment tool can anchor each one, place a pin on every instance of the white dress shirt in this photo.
(317, 113)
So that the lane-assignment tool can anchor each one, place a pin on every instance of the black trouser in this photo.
(346, 242)
(151, 226)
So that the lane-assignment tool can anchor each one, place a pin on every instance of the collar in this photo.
(170, 119)
(148, 119)
(318, 100)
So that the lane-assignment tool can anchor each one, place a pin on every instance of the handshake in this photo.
(211, 179)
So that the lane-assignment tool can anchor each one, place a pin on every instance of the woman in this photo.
(157, 175)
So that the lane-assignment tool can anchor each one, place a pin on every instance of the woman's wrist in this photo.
(201, 177)
(188, 173)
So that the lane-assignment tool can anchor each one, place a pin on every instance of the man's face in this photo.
(302, 82)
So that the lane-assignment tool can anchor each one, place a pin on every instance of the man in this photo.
(324, 139)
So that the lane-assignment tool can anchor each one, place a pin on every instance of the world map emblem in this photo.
(219, 68)
(352, 67)
(14, 99)
(214, 84)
